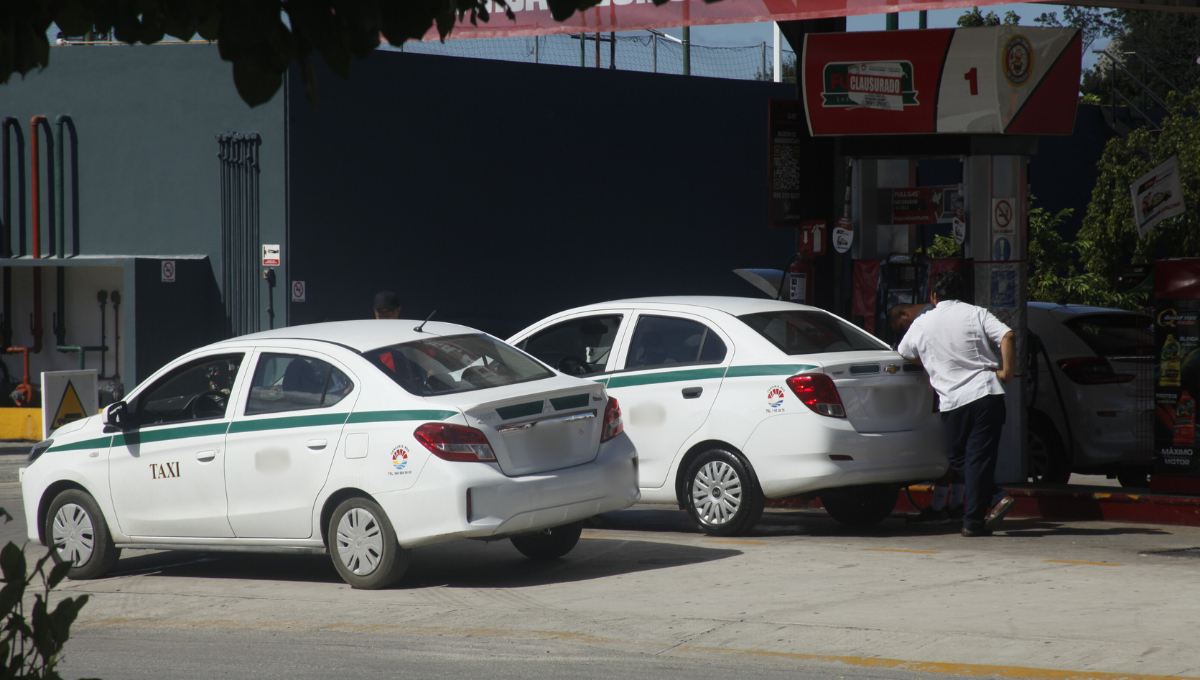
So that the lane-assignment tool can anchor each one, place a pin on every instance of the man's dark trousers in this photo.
(973, 443)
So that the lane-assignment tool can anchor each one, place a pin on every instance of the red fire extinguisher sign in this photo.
(812, 237)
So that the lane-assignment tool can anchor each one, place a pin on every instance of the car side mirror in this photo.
(117, 416)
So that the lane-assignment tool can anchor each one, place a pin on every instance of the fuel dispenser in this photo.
(965, 105)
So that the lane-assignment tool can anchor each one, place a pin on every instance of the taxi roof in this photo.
(736, 306)
(360, 335)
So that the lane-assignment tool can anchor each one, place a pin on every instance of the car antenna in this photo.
(418, 328)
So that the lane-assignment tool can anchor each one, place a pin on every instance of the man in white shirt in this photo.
(956, 342)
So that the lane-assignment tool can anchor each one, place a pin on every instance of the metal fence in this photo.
(238, 155)
(648, 53)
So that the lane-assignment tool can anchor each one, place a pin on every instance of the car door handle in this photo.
(205, 456)
(317, 444)
(692, 392)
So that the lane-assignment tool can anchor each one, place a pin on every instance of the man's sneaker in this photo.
(1002, 508)
(974, 533)
(929, 516)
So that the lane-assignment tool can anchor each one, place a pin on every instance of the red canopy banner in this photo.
(533, 16)
(993, 80)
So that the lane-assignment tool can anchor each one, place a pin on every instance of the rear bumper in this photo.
(791, 454)
(436, 508)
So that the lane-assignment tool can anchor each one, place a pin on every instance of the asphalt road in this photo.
(645, 595)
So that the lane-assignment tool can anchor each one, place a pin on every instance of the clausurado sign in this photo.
(999, 79)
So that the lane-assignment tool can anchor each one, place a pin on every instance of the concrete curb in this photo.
(1082, 504)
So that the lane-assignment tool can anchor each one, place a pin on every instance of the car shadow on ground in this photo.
(455, 564)
(817, 523)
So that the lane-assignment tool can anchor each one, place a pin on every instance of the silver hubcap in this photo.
(359, 541)
(72, 534)
(717, 492)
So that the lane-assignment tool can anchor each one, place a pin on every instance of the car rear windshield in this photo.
(1115, 335)
(807, 332)
(457, 363)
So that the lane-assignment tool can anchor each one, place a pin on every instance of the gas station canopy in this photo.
(532, 17)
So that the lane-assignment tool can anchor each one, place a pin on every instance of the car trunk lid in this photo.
(554, 427)
(880, 391)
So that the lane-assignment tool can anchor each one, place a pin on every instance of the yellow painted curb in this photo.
(21, 423)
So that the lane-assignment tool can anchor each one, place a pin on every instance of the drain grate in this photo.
(1179, 552)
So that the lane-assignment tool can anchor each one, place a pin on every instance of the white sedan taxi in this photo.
(361, 439)
(731, 401)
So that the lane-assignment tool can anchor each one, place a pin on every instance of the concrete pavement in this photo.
(802, 597)
(1039, 600)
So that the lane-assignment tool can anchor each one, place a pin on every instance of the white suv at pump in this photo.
(731, 401)
(1093, 411)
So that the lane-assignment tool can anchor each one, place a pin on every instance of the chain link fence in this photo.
(648, 53)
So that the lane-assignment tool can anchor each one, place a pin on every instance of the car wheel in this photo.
(1134, 477)
(78, 535)
(721, 494)
(363, 545)
(1048, 461)
(549, 544)
(862, 506)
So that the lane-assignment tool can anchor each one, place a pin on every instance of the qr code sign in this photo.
(787, 168)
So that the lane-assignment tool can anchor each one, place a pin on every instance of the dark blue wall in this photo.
(497, 193)
(1064, 171)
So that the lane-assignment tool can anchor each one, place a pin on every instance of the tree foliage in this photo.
(1169, 41)
(261, 38)
(1108, 237)
(1055, 274)
(32, 639)
(975, 19)
(1093, 23)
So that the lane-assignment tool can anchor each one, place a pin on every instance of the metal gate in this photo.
(238, 154)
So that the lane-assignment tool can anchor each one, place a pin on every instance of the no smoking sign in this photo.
(298, 291)
(1002, 213)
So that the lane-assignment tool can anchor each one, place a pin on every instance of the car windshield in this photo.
(459, 363)
(810, 332)
(1115, 335)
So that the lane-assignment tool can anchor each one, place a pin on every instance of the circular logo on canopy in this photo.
(1018, 60)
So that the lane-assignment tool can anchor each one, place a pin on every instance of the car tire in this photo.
(722, 494)
(1134, 477)
(549, 544)
(363, 545)
(862, 506)
(1048, 462)
(77, 533)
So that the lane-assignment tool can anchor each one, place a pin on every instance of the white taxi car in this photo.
(362, 439)
(731, 401)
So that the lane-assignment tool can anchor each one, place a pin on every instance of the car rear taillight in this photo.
(455, 442)
(1092, 371)
(818, 392)
(613, 425)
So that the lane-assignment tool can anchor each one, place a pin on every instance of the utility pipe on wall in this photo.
(6, 192)
(6, 229)
(35, 322)
(60, 173)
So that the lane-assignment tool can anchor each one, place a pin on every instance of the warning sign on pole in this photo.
(298, 292)
(67, 396)
(843, 235)
(270, 255)
(168, 271)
